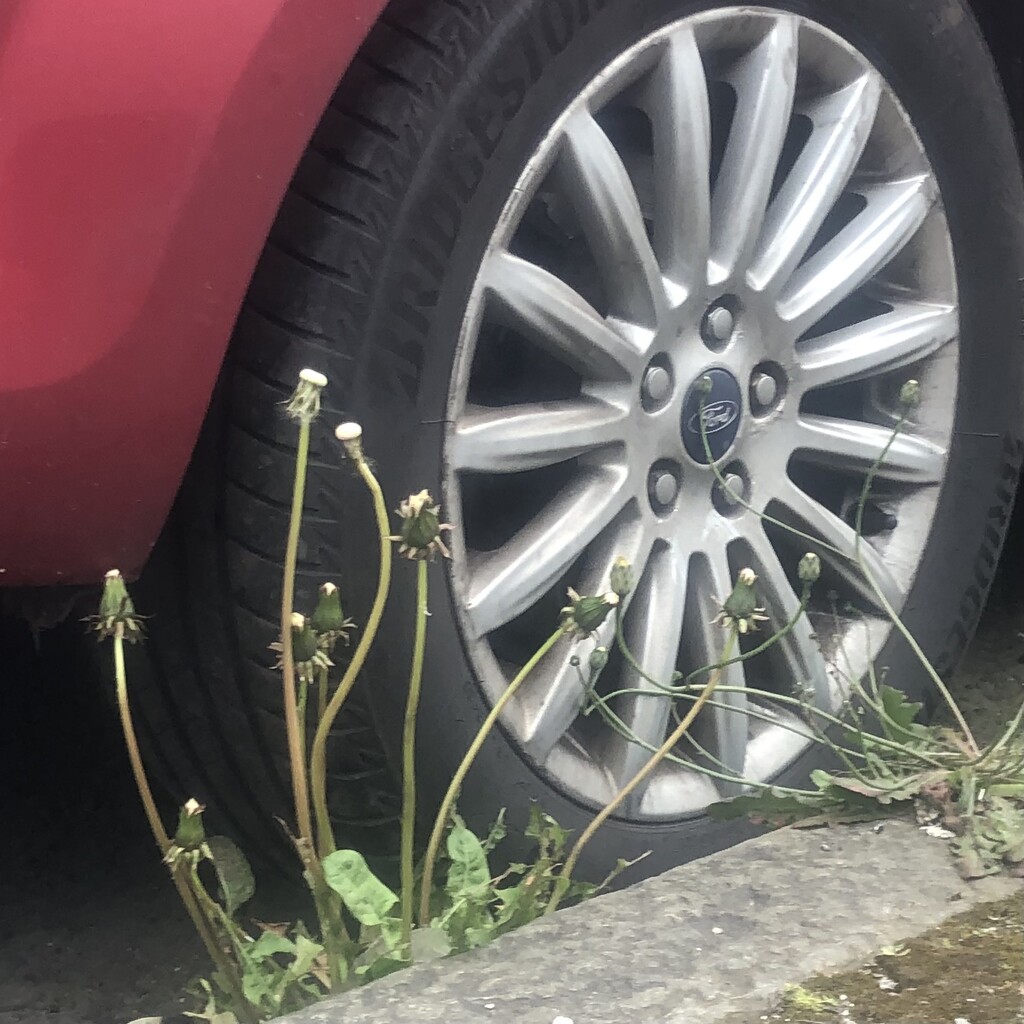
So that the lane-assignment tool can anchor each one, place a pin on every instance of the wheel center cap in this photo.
(722, 409)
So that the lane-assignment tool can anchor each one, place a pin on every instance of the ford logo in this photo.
(717, 416)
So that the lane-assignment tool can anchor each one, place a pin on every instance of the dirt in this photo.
(970, 969)
(91, 930)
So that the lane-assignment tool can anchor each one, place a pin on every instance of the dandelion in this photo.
(809, 568)
(304, 404)
(307, 654)
(621, 578)
(740, 608)
(419, 536)
(116, 609)
(583, 615)
(910, 394)
(328, 620)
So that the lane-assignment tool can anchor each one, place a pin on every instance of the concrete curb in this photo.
(713, 941)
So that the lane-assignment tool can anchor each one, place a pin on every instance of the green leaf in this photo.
(271, 944)
(469, 871)
(237, 885)
(209, 1013)
(429, 944)
(550, 836)
(497, 832)
(770, 808)
(902, 715)
(970, 863)
(1007, 789)
(306, 951)
(535, 825)
(367, 898)
(885, 792)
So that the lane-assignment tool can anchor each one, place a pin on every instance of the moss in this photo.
(971, 967)
(802, 999)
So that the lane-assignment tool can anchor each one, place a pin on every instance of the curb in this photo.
(713, 941)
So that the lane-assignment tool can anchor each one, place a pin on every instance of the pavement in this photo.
(713, 941)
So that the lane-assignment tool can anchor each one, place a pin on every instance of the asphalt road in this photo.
(90, 930)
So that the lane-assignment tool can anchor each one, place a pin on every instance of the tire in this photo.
(367, 276)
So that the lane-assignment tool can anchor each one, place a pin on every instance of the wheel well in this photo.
(1002, 24)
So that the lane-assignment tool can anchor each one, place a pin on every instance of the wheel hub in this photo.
(712, 412)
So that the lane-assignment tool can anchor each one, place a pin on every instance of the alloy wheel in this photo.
(740, 198)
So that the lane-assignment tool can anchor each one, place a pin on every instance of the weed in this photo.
(366, 930)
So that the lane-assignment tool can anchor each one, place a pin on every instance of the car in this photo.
(521, 238)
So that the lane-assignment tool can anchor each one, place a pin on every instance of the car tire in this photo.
(372, 263)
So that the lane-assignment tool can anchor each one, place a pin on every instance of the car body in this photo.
(137, 190)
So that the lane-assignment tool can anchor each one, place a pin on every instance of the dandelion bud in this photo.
(420, 532)
(586, 614)
(705, 385)
(810, 568)
(598, 659)
(191, 833)
(304, 645)
(328, 620)
(328, 617)
(740, 608)
(304, 405)
(116, 609)
(910, 395)
(307, 656)
(742, 602)
(621, 579)
(115, 604)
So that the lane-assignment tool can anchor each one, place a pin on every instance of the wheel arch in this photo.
(138, 189)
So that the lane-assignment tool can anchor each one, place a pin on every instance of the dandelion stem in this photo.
(565, 875)
(318, 759)
(321, 693)
(300, 790)
(163, 841)
(445, 810)
(301, 710)
(409, 752)
(912, 643)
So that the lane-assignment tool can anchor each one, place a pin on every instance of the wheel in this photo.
(522, 235)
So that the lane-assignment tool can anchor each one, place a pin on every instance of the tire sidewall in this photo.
(534, 60)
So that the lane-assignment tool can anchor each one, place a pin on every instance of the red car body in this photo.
(144, 149)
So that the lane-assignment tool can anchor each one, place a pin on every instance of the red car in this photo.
(516, 235)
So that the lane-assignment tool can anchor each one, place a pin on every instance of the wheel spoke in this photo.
(517, 438)
(849, 445)
(599, 187)
(764, 85)
(552, 695)
(842, 123)
(911, 332)
(729, 721)
(863, 248)
(652, 628)
(818, 521)
(504, 583)
(677, 104)
(557, 318)
(798, 650)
